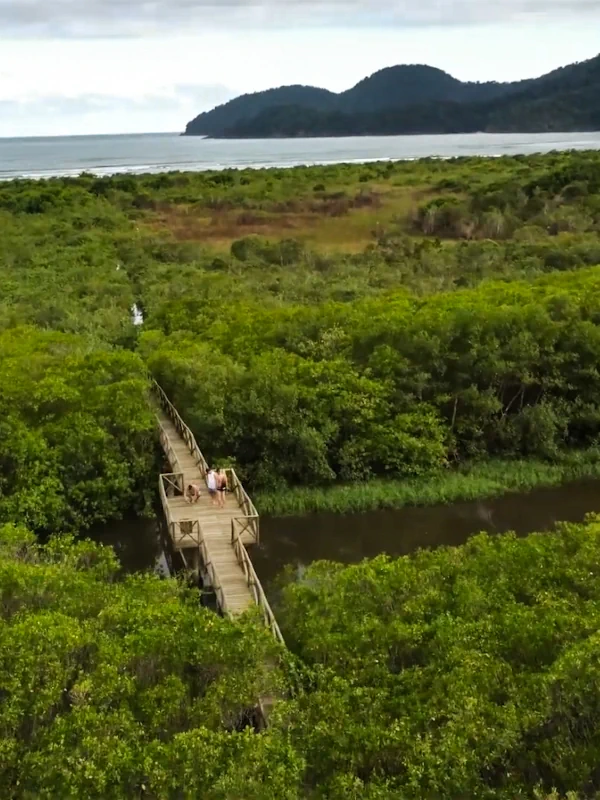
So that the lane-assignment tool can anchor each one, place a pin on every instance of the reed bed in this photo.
(472, 482)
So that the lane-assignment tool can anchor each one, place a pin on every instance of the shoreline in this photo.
(323, 135)
(156, 154)
(477, 481)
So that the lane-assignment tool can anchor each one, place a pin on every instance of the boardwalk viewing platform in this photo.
(209, 538)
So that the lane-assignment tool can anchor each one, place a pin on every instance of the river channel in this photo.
(349, 538)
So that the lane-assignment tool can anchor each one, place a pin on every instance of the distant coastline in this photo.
(69, 156)
(300, 135)
(413, 100)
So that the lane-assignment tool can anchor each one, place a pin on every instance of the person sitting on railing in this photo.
(192, 493)
(221, 486)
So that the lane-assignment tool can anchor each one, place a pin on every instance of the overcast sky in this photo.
(119, 66)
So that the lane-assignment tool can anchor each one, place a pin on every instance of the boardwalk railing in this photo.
(171, 485)
(181, 427)
(235, 485)
(244, 525)
(247, 506)
(213, 577)
(253, 582)
(168, 450)
(246, 522)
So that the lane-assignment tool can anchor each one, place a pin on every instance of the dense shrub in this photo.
(119, 689)
(464, 672)
(76, 431)
(393, 386)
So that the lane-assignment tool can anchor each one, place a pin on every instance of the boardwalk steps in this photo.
(214, 539)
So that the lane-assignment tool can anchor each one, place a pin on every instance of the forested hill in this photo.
(248, 105)
(414, 99)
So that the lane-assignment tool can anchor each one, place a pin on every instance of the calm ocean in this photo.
(104, 155)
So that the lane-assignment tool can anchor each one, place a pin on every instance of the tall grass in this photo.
(473, 482)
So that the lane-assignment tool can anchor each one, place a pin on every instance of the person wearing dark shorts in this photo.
(221, 486)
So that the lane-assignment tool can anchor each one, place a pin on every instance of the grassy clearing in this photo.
(475, 482)
(345, 224)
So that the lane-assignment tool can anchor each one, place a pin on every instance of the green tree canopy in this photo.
(127, 688)
(76, 431)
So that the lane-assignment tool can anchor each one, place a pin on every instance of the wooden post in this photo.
(195, 560)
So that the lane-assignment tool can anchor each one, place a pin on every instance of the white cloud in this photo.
(77, 18)
(56, 114)
(59, 84)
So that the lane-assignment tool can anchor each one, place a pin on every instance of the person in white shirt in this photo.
(211, 484)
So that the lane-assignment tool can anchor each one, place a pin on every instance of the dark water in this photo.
(105, 155)
(350, 538)
(137, 542)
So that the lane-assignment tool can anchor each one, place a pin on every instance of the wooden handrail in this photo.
(241, 494)
(254, 584)
(214, 581)
(183, 430)
(177, 528)
(168, 450)
(244, 502)
(249, 518)
(175, 479)
(192, 528)
(248, 525)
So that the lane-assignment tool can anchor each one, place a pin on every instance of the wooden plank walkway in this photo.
(216, 537)
(214, 524)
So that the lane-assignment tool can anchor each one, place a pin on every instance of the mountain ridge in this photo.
(413, 98)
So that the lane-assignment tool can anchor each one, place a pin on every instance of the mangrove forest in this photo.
(347, 337)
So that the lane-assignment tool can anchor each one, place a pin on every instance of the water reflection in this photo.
(350, 538)
(137, 542)
(298, 541)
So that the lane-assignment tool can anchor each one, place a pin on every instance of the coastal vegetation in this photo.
(316, 327)
(413, 99)
(126, 688)
(473, 481)
(393, 333)
(77, 438)
(464, 672)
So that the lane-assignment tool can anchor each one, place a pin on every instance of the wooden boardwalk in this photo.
(208, 537)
